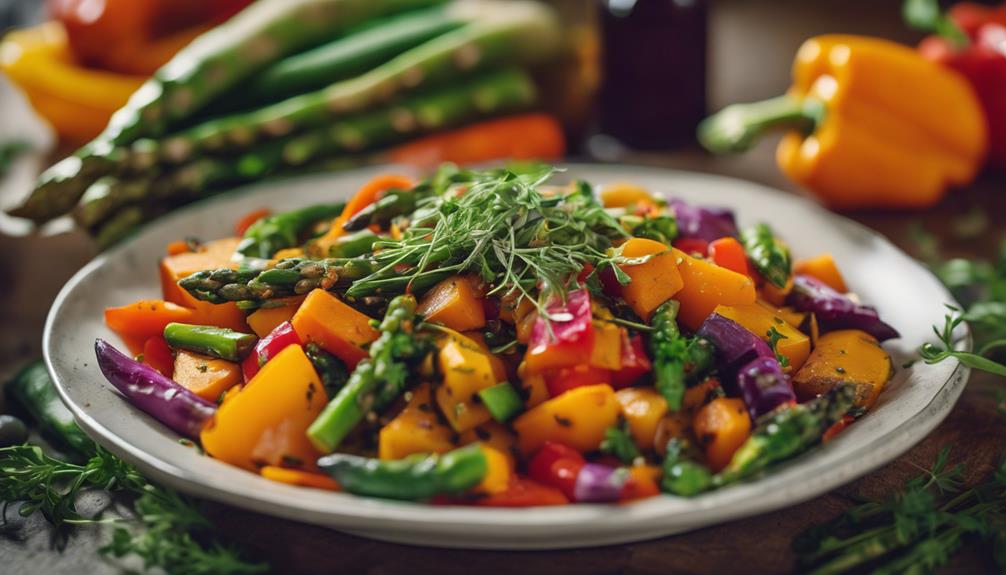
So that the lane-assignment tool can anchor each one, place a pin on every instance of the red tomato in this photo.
(729, 253)
(557, 465)
(692, 246)
(524, 492)
(559, 381)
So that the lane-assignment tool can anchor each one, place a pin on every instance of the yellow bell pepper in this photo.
(77, 101)
(871, 124)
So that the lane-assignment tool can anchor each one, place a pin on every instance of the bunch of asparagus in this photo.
(297, 84)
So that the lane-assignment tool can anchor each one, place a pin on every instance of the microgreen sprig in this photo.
(933, 353)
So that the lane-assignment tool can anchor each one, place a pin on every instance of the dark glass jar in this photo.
(653, 88)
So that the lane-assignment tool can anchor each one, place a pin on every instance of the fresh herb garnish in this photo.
(932, 353)
(502, 226)
(619, 443)
(773, 340)
(914, 530)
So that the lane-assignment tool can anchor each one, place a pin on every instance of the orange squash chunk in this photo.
(577, 418)
(207, 377)
(211, 255)
(266, 423)
(707, 285)
(300, 478)
(721, 427)
(654, 281)
(643, 408)
(264, 320)
(137, 322)
(795, 346)
(416, 429)
(336, 327)
(454, 303)
(822, 267)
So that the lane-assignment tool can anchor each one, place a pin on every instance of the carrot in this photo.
(528, 136)
(248, 219)
(211, 255)
(157, 355)
(368, 193)
(205, 376)
(729, 253)
(299, 478)
(137, 322)
(721, 427)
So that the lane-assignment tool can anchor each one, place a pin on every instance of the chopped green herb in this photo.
(618, 442)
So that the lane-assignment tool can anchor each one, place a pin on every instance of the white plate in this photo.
(913, 404)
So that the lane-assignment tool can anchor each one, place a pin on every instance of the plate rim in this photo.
(385, 517)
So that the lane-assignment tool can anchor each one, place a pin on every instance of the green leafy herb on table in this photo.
(167, 520)
(914, 530)
(932, 353)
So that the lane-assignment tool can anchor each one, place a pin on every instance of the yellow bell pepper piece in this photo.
(756, 318)
(872, 124)
(417, 429)
(466, 372)
(643, 408)
(577, 418)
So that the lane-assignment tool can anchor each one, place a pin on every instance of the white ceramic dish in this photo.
(912, 405)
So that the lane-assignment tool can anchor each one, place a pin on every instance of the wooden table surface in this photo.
(752, 44)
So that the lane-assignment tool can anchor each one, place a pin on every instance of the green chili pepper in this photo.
(208, 340)
(33, 389)
(416, 477)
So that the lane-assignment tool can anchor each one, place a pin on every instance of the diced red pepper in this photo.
(635, 362)
(837, 428)
(729, 253)
(692, 246)
(523, 492)
(557, 465)
(157, 354)
(565, 340)
(268, 347)
(588, 269)
(559, 381)
(640, 484)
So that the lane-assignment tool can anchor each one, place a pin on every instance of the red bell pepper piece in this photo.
(692, 246)
(837, 428)
(729, 253)
(559, 381)
(267, 348)
(640, 485)
(635, 362)
(523, 492)
(157, 354)
(565, 340)
(981, 59)
(557, 465)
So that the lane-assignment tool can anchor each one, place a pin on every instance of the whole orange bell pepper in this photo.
(870, 124)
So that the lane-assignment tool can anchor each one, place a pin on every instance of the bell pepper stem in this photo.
(737, 127)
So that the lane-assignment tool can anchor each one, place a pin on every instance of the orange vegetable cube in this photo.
(454, 303)
(207, 377)
(533, 387)
(643, 408)
(822, 267)
(211, 255)
(137, 322)
(759, 320)
(466, 371)
(654, 281)
(416, 429)
(721, 427)
(266, 423)
(264, 320)
(621, 194)
(577, 418)
(707, 285)
(848, 356)
(499, 470)
(776, 295)
(336, 327)
(607, 352)
(158, 355)
(495, 435)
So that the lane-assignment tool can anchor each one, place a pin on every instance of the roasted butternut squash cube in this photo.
(466, 371)
(642, 408)
(207, 377)
(822, 267)
(795, 345)
(847, 356)
(454, 303)
(339, 329)
(655, 280)
(721, 427)
(416, 429)
(707, 285)
(577, 418)
(495, 435)
(265, 319)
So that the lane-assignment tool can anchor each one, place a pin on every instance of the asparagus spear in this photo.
(361, 49)
(768, 253)
(209, 340)
(788, 432)
(377, 381)
(214, 62)
(492, 93)
(273, 233)
(292, 276)
(518, 32)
